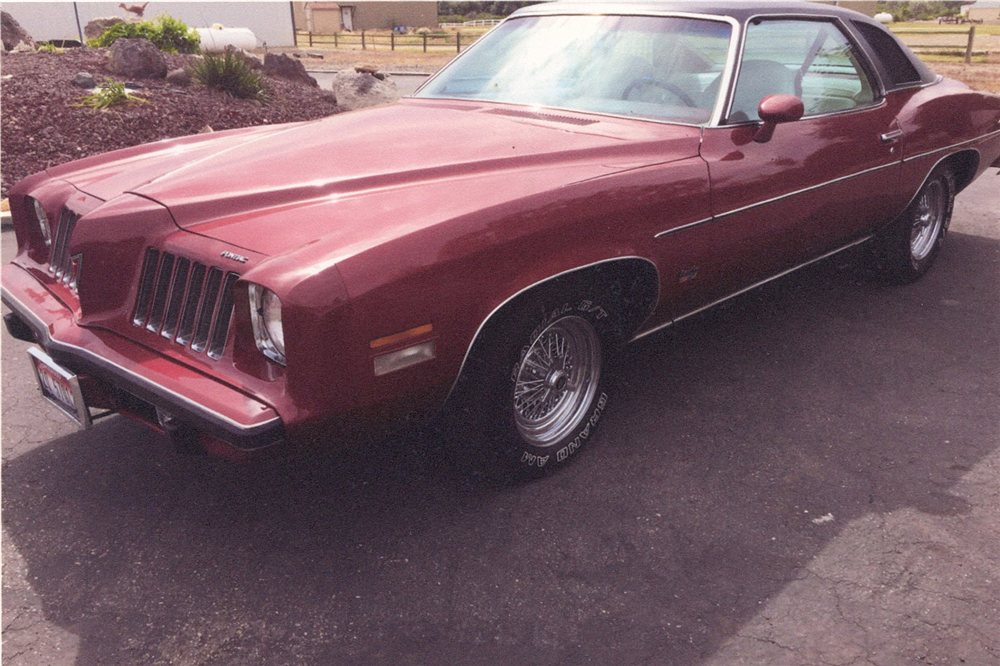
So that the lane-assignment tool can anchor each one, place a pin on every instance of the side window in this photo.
(812, 60)
(897, 64)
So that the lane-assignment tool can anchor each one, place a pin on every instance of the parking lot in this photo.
(809, 474)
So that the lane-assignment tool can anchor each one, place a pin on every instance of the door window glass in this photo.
(812, 60)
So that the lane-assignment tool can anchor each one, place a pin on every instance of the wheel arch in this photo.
(633, 281)
(964, 164)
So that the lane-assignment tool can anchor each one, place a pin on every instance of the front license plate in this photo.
(60, 387)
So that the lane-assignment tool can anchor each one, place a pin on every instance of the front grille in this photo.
(66, 268)
(185, 301)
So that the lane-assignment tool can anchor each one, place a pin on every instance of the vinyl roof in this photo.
(741, 11)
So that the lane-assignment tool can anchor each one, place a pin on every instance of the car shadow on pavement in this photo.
(826, 393)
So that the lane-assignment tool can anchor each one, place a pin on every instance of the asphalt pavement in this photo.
(807, 475)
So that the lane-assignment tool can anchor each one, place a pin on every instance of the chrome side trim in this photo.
(954, 145)
(48, 343)
(482, 325)
(780, 197)
(683, 227)
(643, 334)
(807, 189)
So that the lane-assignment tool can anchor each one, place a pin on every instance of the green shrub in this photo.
(166, 32)
(110, 93)
(231, 74)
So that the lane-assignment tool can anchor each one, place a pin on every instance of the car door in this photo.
(814, 184)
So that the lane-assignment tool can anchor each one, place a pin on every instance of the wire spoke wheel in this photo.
(557, 380)
(927, 220)
(908, 246)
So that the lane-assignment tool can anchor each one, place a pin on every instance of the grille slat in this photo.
(145, 287)
(222, 319)
(191, 304)
(185, 301)
(59, 265)
(158, 309)
(207, 314)
(176, 298)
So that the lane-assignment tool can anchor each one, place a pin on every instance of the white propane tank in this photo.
(885, 18)
(217, 38)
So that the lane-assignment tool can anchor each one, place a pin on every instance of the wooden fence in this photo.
(469, 24)
(376, 41)
(957, 50)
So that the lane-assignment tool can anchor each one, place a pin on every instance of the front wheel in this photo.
(911, 243)
(538, 386)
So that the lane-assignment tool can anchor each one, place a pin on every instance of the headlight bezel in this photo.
(265, 316)
(41, 220)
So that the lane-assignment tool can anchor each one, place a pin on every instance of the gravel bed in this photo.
(40, 126)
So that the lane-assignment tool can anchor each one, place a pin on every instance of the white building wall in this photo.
(271, 22)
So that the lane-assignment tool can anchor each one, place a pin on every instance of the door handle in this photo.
(888, 137)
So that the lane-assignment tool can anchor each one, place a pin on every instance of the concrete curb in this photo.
(6, 221)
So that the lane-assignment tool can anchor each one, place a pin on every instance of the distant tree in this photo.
(922, 11)
(477, 10)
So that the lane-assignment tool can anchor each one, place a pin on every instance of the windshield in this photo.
(650, 67)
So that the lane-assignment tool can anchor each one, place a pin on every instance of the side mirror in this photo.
(776, 109)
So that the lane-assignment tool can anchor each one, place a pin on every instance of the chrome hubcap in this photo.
(557, 380)
(927, 222)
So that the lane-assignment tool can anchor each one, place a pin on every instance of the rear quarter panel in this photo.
(941, 119)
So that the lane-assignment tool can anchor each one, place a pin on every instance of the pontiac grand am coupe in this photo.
(584, 175)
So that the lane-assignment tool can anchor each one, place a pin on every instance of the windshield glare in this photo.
(649, 67)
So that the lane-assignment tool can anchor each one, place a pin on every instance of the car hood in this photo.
(212, 182)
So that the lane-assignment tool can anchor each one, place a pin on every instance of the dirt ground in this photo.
(387, 61)
(981, 76)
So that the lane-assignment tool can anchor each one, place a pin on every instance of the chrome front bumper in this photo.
(202, 403)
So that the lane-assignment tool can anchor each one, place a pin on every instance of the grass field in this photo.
(981, 28)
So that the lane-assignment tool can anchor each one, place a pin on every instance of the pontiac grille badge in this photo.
(235, 257)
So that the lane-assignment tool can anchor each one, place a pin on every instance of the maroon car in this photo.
(584, 175)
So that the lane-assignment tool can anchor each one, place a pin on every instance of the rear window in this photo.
(895, 62)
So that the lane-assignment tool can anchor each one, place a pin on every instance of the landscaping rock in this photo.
(355, 90)
(84, 80)
(179, 77)
(370, 69)
(137, 57)
(248, 58)
(96, 28)
(14, 37)
(286, 67)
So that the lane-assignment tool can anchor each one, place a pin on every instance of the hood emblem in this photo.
(235, 257)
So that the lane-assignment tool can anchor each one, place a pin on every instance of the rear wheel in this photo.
(538, 385)
(911, 243)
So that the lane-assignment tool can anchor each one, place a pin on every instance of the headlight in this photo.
(43, 221)
(265, 313)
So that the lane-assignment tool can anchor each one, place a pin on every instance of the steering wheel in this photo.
(671, 88)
